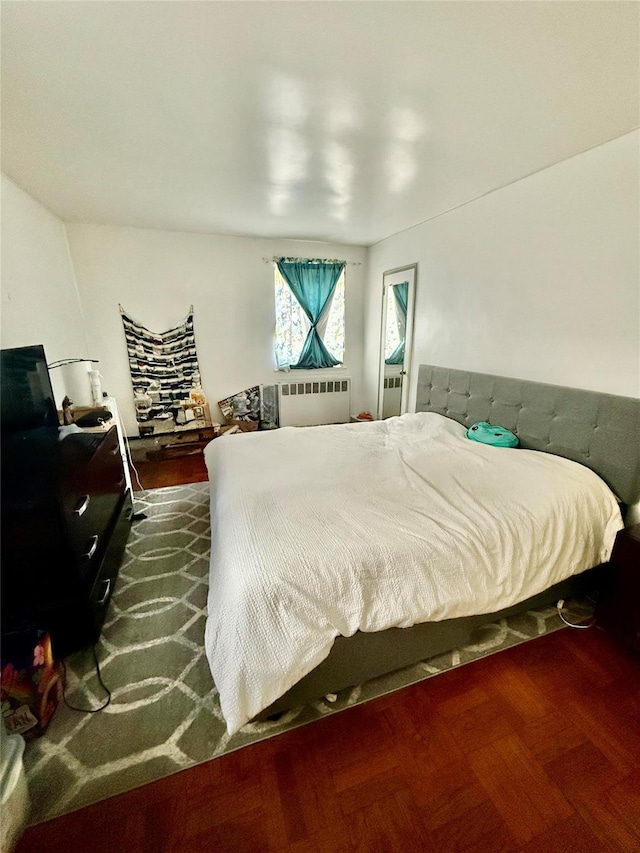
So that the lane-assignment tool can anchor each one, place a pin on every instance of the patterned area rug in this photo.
(164, 714)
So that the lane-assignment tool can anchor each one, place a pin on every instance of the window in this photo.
(292, 325)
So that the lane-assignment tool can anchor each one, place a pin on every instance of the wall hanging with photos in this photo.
(165, 376)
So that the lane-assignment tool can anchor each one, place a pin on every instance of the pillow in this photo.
(498, 436)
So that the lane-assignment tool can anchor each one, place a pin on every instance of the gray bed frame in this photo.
(601, 431)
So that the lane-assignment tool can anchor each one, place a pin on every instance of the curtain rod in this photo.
(327, 260)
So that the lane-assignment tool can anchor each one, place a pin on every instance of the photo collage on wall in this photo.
(165, 376)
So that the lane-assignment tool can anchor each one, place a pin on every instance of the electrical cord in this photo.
(589, 624)
(102, 684)
(130, 460)
(137, 516)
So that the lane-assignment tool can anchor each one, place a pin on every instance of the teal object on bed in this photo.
(487, 433)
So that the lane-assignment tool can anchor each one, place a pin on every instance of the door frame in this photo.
(409, 273)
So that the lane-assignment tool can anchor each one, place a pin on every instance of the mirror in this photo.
(398, 299)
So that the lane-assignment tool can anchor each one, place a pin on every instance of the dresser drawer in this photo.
(90, 501)
(105, 581)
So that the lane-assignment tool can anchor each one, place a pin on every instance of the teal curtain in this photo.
(312, 283)
(401, 294)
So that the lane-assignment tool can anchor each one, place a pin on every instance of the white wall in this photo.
(539, 280)
(157, 275)
(40, 303)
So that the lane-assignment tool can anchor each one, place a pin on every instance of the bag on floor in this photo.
(30, 682)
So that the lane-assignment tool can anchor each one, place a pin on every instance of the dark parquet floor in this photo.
(156, 474)
(532, 750)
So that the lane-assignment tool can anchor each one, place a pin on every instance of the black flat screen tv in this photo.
(26, 395)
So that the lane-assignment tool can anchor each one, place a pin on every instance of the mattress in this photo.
(324, 531)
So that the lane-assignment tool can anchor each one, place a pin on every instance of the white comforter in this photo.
(329, 530)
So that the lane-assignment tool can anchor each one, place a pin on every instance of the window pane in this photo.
(334, 336)
(292, 325)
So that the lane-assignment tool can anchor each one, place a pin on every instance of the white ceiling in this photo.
(342, 121)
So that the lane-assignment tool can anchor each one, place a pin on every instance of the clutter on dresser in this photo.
(67, 412)
(91, 418)
(80, 379)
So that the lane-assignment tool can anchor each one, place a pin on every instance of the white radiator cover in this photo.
(310, 403)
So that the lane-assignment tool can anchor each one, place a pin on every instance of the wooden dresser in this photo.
(66, 516)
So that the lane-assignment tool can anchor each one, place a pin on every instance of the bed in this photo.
(343, 552)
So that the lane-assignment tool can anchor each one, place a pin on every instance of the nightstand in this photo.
(619, 609)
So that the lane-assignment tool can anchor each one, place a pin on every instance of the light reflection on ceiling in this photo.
(407, 129)
(339, 175)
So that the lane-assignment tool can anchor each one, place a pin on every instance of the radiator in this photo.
(313, 403)
(392, 398)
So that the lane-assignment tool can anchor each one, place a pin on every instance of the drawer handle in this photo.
(114, 449)
(82, 505)
(105, 595)
(92, 549)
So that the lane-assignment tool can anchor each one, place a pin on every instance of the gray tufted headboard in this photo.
(601, 431)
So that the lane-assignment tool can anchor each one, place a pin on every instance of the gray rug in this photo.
(164, 714)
